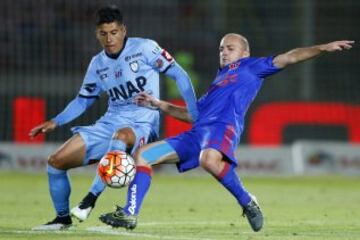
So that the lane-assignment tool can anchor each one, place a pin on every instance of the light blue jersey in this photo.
(135, 70)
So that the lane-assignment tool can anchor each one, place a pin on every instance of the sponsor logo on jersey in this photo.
(102, 73)
(103, 76)
(117, 72)
(128, 58)
(166, 55)
(134, 66)
(98, 71)
(127, 90)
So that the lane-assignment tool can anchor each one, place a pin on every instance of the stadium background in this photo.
(45, 47)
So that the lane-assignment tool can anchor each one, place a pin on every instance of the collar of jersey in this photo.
(226, 67)
(116, 55)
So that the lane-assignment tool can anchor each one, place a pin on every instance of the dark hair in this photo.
(108, 14)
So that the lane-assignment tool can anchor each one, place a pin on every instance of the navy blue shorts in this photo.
(189, 144)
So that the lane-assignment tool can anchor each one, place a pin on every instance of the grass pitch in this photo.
(185, 207)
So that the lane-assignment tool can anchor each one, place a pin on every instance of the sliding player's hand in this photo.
(146, 100)
(337, 46)
(45, 127)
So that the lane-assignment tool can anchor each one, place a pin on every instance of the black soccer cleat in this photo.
(253, 214)
(59, 223)
(119, 219)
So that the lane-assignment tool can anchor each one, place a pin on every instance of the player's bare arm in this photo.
(45, 127)
(178, 112)
(302, 54)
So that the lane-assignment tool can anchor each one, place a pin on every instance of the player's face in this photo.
(231, 49)
(111, 36)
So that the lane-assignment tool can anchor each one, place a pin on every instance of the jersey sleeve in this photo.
(90, 87)
(264, 67)
(156, 56)
(74, 109)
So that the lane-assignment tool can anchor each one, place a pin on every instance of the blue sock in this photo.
(137, 190)
(231, 181)
(97, 186)
(60, 189)
(116, 144)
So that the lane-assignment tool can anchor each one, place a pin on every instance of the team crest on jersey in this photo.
(134, 66)
(234, 66)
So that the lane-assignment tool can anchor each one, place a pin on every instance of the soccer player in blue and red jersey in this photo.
(216, 132)
(125, 67)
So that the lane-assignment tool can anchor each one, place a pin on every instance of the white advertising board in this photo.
(297, 159)
(327, 157)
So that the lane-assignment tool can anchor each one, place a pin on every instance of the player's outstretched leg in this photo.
(127, 217)
(231, 181)
(60, 192)
(212, 161)
(83, 209)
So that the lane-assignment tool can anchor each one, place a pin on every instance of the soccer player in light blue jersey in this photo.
(125, 67)
(216, 132)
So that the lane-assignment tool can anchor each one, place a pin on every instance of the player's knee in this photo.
(55, 161)
(119, 135)
(207, 163)
(126, 135)
(210, 161)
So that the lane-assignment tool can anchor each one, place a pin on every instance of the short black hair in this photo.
(108, 14)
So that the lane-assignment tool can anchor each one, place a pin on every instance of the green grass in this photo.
(184, 207)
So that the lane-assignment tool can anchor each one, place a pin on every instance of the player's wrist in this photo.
(55, 122)
(155, 102)
(323, 47)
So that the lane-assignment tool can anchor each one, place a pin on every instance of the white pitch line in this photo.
(104, 230)
(111, 231)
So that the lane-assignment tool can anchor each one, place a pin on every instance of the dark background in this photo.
(45, 47)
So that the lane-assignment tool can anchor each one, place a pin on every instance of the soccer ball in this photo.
(117, 169)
